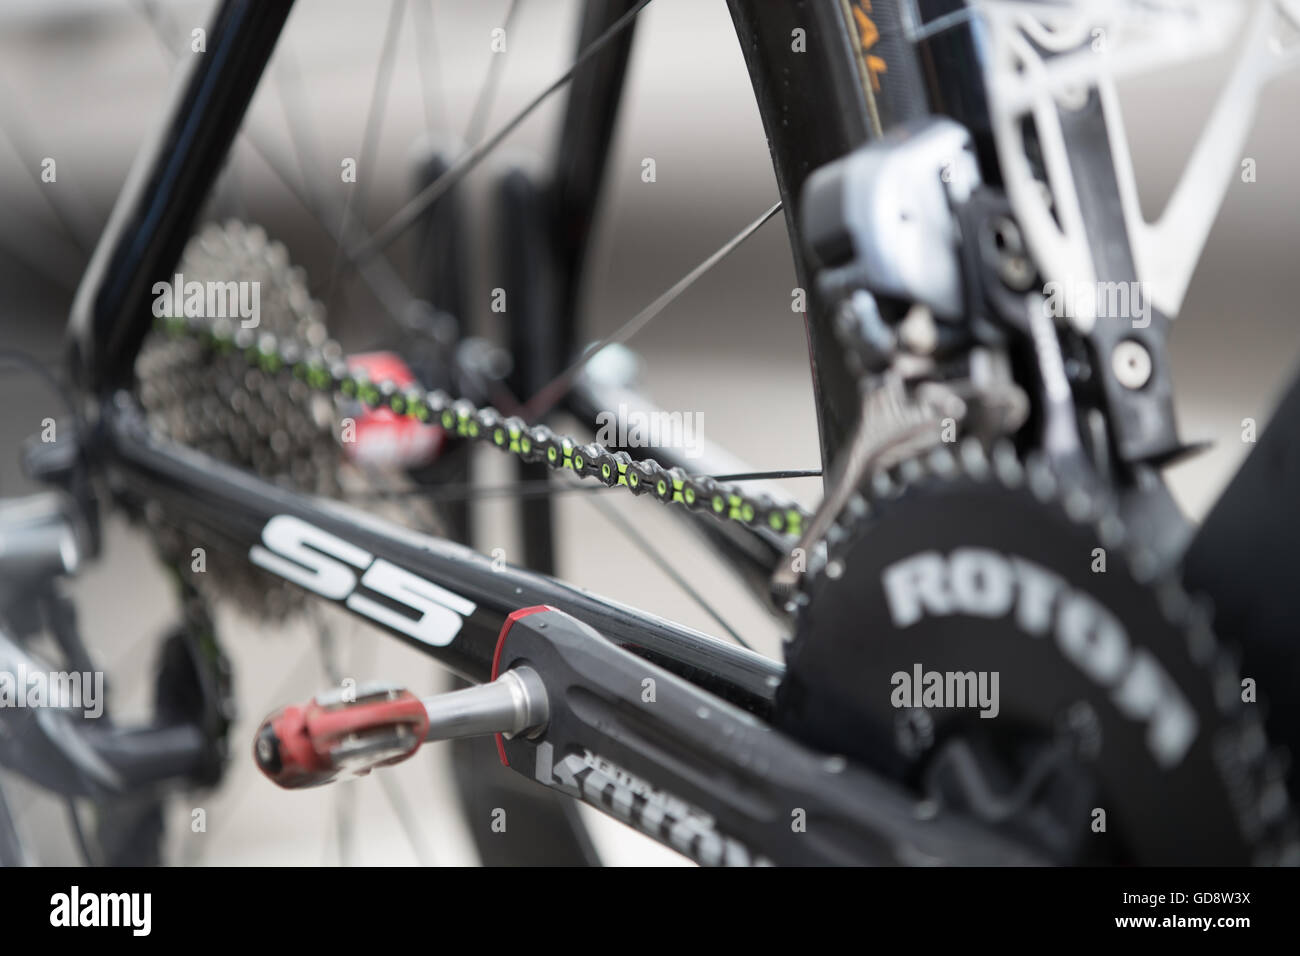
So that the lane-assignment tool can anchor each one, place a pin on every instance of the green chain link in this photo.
(530, 443)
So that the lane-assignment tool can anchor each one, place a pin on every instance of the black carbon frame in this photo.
(174, 174)
(229, 508)
(706, 738)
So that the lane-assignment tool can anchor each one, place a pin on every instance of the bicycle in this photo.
(951, 177)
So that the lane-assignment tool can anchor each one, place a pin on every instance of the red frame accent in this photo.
(496, 658)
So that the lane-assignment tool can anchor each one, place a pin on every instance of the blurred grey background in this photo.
(81, 81)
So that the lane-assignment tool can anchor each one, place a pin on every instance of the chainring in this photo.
(967, 564)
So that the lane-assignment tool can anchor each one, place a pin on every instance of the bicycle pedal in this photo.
(340, 733)
(351, 731)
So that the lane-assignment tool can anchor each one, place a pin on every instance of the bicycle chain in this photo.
(460, 417)
(323, 370)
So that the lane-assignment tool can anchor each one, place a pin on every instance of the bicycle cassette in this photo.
(274, 425)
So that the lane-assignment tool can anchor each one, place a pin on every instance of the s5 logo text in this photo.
(325, 563)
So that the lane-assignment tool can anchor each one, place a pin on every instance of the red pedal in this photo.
(306, 745)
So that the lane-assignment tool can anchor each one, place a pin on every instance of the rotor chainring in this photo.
(961, 564)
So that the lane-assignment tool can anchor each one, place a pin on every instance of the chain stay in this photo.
(530, 443)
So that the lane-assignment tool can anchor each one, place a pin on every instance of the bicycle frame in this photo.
(455, 601)
(457, 607)
(233, 510)
(150, 224)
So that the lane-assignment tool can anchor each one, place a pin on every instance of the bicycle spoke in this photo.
(379, 276)
(293, 103)
(194, 851)
(77, 228)
(401, 808)
(409, 214)
(12, 850)
(345, 808)
(553, 391)
(666, 566)
(468, 491)
(767, 475)
(426, 50)
(344, 803)
(487, 93)
(369, 141)
(79, 832)
(384, 283)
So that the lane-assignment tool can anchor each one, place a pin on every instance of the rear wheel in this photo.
(281, 430)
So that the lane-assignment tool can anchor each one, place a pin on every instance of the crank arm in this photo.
(576, 713)
(703, 776)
